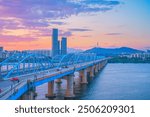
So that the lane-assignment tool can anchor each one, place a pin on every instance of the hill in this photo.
(113, 51)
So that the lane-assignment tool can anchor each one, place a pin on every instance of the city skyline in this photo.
(111, 23)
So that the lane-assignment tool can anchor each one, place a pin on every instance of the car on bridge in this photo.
(65, 66)
(15, 79)
(58, 69)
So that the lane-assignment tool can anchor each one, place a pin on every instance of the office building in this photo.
(64, 46)
(55, 43)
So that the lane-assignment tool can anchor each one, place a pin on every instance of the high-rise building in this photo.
(55, 43)
(59, 51)
(64, 45)
(56, 48)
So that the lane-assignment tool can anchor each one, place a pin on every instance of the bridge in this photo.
(20, 74)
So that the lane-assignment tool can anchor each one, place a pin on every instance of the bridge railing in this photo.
(10, 90)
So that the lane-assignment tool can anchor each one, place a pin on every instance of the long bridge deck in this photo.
(27, 80)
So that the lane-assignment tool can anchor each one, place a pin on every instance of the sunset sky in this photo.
(27, 24)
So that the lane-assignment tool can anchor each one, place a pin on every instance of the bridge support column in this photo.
(102, 65)
(83, 76)
(96, 69)
(50, 90)
(99, 66)
(58, 81)
(30, 95)
(35, 93)
(92, 72)
(70, 87)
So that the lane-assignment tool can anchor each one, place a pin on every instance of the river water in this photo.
(114, 82)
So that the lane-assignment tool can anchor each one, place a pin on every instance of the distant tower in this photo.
(97, 44)
(55, 43)
(64, 45)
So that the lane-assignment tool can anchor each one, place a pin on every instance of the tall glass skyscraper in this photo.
(56, 48)
(55, 43)
(64, 45)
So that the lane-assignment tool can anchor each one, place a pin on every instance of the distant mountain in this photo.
(113, 51)
(72, 50)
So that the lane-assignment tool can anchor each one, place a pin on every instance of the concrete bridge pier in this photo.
(83, 76)
(35, 93)
(99, 66)
(96, 69)
(92, 73)
(50, 93)
(29, 95)
(70, 87)
(58, 81)
(102, 64)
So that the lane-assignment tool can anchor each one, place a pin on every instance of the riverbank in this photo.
(128, 60)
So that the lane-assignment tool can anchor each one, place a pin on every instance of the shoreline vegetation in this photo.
(128, 60)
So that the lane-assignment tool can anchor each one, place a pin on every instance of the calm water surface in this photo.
(114, 82)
